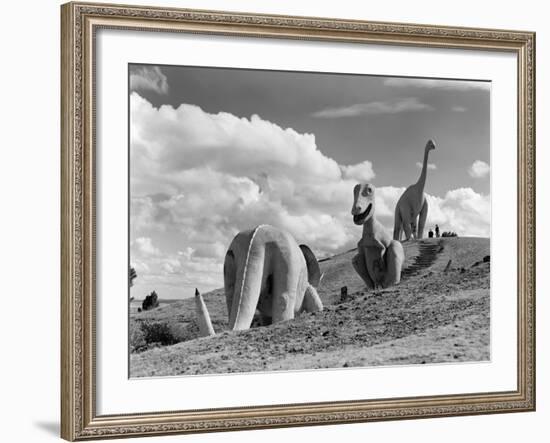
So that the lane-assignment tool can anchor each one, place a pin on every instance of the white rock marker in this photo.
(203, 318)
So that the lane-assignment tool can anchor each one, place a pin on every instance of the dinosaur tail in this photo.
(248, 286)
(398, 224)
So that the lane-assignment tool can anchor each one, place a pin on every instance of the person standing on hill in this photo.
(437, 231)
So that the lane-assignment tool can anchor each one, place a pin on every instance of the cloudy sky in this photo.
(215, 151)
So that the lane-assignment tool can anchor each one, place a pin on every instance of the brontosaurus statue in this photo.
(266, 270)
(379, 258)
(413, 205)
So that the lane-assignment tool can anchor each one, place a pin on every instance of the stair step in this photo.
(428, 253)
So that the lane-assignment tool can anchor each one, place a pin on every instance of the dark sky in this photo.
(458, 118)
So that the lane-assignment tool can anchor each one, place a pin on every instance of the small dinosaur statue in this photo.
(266, 270)
(412, 206)
(379, 258)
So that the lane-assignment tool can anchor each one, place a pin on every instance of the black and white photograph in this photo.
(301, 220)
(277, 221)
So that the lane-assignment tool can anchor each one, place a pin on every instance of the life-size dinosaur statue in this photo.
(266, 270)
(379, 258)
(412, 206)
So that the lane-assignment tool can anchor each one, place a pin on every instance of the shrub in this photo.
(137, 338)
(150, 302)
(449, 234)
(157, 332)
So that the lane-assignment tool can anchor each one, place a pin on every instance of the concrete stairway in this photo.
(428, 252)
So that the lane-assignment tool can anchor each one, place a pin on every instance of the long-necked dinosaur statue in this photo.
(266, 271)
(411, 210)
(379, 258)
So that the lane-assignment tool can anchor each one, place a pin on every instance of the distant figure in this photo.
(437, 231)
(430, 234)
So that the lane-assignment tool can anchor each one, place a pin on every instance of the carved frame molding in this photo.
(79, 24)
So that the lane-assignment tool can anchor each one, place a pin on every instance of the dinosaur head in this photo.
(363, 203)
(430, 146)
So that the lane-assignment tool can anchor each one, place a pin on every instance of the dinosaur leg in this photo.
(397, 225)
(286, 277)
(248, 286)
(312, 301)
(407, 229)
(422, 219)
(413, 229)
(360, 266)
(395, 257)
(229, 278)
(283, 308)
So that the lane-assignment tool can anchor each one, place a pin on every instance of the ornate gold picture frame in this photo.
(80, 23)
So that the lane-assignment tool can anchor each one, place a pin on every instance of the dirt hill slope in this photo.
(438, 313)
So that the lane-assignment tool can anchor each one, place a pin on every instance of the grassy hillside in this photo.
(438, 313)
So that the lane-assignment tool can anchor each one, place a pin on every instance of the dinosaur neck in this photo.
(368, 226)
(422, 180)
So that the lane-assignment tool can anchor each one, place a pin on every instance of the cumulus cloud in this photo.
(410, 104)
(361, 172)
(462, 210)
(148, 78)
(452, 85)
(431, 166)
(479, 169)
(199, 178)
(145, 246)
(170, 140)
